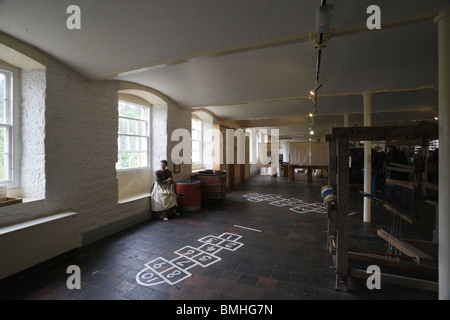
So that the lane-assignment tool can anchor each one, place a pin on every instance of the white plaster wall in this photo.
(159, 135)
(81, 146)
(32, 171)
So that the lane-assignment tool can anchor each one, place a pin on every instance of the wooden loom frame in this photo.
(338, 178)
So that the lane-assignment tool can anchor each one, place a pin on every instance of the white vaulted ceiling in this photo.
(249, 61)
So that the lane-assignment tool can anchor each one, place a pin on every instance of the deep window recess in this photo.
(134, 137)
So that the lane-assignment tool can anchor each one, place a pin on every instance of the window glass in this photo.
(133, 136)
(6, 127)
(2, 86)
(2, 111)
(196, 141)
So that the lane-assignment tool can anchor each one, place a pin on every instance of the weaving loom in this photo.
(400, 197)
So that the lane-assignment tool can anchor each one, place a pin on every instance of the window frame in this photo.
(147, 123)
(200, 141)
(12, 103)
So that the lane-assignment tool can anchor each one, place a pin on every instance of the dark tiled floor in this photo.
(287, 260)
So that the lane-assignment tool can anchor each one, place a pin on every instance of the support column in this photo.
(332, 181)
(367, 159)
(346, 120)
(332, 164)
(343, 199)
(443, 22)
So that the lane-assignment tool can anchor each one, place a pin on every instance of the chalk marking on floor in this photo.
(161, 270)
(297, 205)
(247, 228)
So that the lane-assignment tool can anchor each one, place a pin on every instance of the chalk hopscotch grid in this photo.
(296, 205)
(161, 270)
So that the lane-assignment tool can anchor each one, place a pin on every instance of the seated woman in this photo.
(162, 194)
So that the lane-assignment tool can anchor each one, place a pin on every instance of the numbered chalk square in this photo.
(270, 197)
(188, 252)
(211, 240)
(210, 248)
(302, 209)
(280, 203)
(320, 209)
(175, 275)
(273, 196)
(230, 245)
(230, 236)
(148, 277)
(159, 265)
(206, 260)
(256, 199)
(252, 195)
(295, 200)
(184, 263)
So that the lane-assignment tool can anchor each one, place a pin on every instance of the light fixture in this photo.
(311, 132)
(313, 94)
(311, 115)
(436, 118)
(314, 91)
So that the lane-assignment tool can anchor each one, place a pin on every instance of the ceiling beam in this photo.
(335, 95)
(388, 132)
